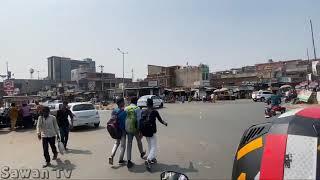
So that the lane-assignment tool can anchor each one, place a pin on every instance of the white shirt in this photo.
(48, 127)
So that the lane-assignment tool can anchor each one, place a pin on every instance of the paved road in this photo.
(200, 140)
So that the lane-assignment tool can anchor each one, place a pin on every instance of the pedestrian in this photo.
(63, 122)
(149, 129)
(121, 118)
(38, 109)
(48, 131)
(132, 124)
(13, 114)
(26, 116)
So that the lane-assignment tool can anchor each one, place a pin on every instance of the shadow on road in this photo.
(22, 130)
(66, 165)
(86, 129)
(78, 151)
(160, 167)
(5, 131)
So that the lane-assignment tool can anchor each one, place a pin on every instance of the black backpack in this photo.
(113, 127)
(146, 126)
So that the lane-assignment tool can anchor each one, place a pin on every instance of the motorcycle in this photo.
(270, 112)
(172, 175)
(273, 110)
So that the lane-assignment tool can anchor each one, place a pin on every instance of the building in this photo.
(262, 74)
(32, 86)
(59, 68)
(295, 71)
(192, 76)
(162, 76)
(103, 83)
(235, 77)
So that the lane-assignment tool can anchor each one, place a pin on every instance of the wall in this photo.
(187, 77)
(152, 69)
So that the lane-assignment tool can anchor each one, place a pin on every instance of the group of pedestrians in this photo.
(50, 128)
(136, 123)
(24, 113)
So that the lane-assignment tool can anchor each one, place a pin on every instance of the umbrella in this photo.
(285, 86)
(224, 89)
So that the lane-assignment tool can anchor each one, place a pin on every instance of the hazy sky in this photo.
(221, 33)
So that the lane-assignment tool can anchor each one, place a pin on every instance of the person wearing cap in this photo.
(121, 115)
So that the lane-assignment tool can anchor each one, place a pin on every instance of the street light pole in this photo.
(123, 53)
(314, 47)
(101, 67)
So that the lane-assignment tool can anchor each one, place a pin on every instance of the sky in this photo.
(221, 33)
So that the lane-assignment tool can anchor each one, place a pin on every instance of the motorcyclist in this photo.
(274, 101)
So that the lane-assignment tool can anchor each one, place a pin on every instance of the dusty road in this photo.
(200, 140)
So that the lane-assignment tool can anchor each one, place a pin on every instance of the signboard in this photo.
(314, 67)
(304, 95)
(152, 83)
(8, 87)
(91, 85)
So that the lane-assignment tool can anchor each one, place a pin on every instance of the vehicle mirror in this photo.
(172, 175)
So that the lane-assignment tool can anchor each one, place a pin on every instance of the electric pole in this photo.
(132, 76)
(314, 47)
(123, 53)
(308, 54)
(101, 68)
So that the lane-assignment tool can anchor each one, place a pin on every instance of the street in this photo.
(200, 141)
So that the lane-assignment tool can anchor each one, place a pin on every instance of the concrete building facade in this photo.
(193, 76)
(59, 68)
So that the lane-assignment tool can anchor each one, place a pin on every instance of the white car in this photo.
(262, 96)
(157, 102)
(84, 114)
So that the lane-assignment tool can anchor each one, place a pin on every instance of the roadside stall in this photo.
(224, 94)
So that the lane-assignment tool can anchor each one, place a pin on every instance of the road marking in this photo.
(253, 145)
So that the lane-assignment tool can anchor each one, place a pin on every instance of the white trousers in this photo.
(152, 144)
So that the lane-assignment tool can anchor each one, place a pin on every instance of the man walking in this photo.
(121, 118)
(148, 128)
(26, 116)
(48, 130)
(132, 129)
(63, 122)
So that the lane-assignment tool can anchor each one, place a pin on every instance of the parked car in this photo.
(157, 101)
(84, 114)
(54, 107)
(262, 96)
(254, 95)
(4, 118)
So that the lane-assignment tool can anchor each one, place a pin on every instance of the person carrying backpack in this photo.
(132, 124)
(120, 115)
(148, 129)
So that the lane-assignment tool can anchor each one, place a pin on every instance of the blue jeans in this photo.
(64, 135)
